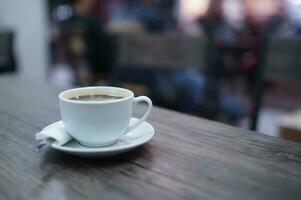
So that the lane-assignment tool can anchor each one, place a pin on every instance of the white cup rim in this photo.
(62, 98)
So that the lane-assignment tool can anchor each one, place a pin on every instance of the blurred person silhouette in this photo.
(200, 92)
(281, 23)
(155, 15)
(145, 15)
(219, 34)
(209, 96)
(262, 20)
(86, 47)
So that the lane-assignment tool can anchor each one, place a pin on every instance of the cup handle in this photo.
(143, 118)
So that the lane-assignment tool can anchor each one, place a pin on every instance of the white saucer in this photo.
(142, 134)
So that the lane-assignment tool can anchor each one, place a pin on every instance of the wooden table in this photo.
(189, 158)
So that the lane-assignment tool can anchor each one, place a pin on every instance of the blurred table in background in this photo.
(290, 127)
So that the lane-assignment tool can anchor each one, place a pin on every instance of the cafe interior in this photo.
(233, 61)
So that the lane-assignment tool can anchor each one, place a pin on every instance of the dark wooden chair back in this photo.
(159, 51)
(283, 58)
(280, 59)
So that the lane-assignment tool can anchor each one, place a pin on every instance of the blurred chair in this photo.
(7, 58)
(157, 51)
(280, 60)
(289, 126)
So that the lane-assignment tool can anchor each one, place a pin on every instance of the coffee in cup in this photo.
(95, 97)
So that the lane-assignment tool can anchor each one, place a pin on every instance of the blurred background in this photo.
(234, 61)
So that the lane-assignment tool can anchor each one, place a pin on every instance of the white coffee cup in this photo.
(100, 123)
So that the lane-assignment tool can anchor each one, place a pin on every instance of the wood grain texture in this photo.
(189, 158)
